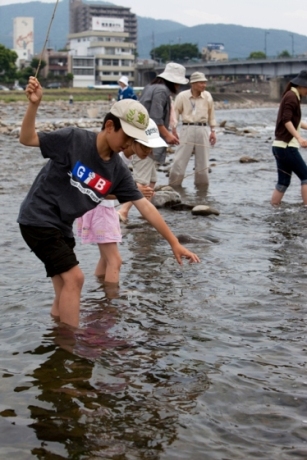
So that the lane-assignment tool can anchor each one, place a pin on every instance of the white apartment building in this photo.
(102, 55)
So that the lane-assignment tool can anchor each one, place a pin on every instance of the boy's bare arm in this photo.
(28, 135)
(155, 219)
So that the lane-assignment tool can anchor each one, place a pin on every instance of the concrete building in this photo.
(214, 52)
(57, 63)
(81, 14)
(23, 41)
(100, 57)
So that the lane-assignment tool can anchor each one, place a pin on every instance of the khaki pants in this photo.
(191, 138)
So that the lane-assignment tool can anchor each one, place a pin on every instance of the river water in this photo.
(203, 361)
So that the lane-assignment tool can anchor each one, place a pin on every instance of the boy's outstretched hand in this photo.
(181, 252)
(34, 90)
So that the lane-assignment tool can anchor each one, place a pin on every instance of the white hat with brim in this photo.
(153, 136)
(174, 73)
(197, 76)
(133, 118)
(123, 79)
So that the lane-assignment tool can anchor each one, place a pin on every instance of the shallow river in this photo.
(206, 361)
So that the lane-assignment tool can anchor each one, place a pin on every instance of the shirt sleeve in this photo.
(290, 103)
(178, 106)
(160, 100)
(211, 112)
(55, 144)
(126, 189)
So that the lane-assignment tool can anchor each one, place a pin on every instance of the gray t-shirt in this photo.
(74, 180)
(156, 99)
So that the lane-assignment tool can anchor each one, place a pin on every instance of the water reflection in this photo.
(98, 394)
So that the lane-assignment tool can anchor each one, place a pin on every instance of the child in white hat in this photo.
(144, 172)
(125, 90)
(101, 225)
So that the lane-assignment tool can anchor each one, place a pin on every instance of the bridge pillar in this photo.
(277, 87)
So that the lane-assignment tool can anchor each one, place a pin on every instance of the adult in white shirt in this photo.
(195, 107)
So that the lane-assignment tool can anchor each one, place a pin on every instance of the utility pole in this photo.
(292, 43)
(170, 50)
(266, 32)
(153, 45)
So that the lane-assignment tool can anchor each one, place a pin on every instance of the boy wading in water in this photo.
(83, 168)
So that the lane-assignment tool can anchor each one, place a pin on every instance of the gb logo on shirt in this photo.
(90, 178)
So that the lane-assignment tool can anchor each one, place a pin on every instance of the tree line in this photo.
(9, 72)
(163, 53)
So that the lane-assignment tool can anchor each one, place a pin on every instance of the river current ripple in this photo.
(197, 362)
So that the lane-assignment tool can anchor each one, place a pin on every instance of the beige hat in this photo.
(174, 73)
(123, 79)
(133, 118)
(197, 76)
(153, 136)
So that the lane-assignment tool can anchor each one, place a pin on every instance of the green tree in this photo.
(8, 67)
(177, 52)
(35, 63)
(257, 55)
(69, 77)
(284, 54)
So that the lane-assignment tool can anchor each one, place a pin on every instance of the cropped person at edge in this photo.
(288, 139)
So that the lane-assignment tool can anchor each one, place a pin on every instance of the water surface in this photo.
(196, 362)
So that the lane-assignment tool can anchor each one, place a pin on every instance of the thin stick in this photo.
(47, 37)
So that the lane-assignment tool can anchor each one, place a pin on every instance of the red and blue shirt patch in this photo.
(89, 177)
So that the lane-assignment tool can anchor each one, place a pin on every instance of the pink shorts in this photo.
(100, 225)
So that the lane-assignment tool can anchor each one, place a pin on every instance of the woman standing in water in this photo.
(288, 139)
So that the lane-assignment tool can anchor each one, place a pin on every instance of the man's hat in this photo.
(133, 118)
(197, 76)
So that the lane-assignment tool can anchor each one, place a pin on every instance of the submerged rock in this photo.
(181, 207)
(247, 159)
(164, 198)
(204, 210)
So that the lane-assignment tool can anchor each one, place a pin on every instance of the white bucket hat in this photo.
(133, 118)
(153, 136)
(123, 79)
(174, 73)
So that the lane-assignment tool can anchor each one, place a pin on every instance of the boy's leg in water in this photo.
(67, 287)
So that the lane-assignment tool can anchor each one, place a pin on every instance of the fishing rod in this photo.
(46, 40)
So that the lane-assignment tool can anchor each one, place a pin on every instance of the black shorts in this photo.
(53, 248)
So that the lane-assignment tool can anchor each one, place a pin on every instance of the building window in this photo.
(83, 71)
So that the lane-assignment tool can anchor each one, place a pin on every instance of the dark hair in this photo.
(116, 121)
(288, 87)
(160, 81)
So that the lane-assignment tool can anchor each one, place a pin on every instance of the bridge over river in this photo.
(278, 70)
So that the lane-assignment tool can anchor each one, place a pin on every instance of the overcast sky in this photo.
(267, 14)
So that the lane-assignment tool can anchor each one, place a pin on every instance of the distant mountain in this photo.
(239, 41)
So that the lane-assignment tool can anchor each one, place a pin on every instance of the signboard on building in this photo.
(108, 24)
(23, 36)
(215, 46)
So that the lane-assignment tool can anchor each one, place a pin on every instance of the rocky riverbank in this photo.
(54, 115)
